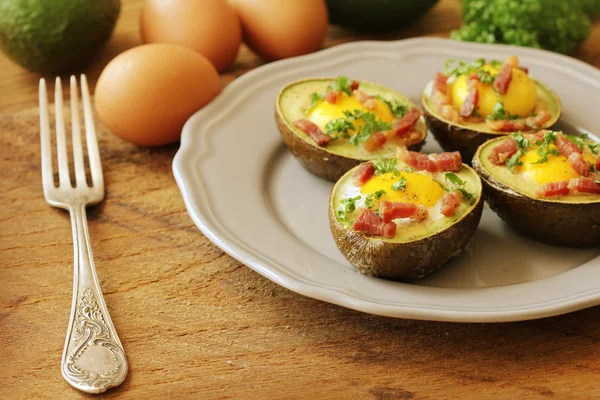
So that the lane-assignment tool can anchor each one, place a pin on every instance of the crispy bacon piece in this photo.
(503, 151)
(444, 107)
(504, 76)
(354, 85)
(405, 123)
(410, 136)
(432, 162)
(597, 166)
(472, 97)
(365, 99)
(524, 69)
(363, 173)
(449, 204)
(566, 147)
(312, 130)
(554, 189)
(580, 166)
(585, 185)
(371, 224)
(389, 210)
(332, 96)
(374, 142)
(440, 82)
(512, 125)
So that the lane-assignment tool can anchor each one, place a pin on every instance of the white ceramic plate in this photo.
(248, 194)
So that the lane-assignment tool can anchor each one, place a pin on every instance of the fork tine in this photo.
(90, 135)
(61, 144)
(47, 174)
(76, 132)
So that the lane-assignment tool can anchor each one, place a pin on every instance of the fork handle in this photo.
(93, 358)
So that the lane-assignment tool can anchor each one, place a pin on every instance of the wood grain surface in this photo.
(197, 324)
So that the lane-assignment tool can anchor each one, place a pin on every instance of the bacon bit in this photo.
(449, 204)
(512, 125)
(440, 82)
(432, 162)
(503, 151)
(566, 147)
(597, 166)
(585, 185)
(370, 224)
(374, 142)
(422, 213)
(554, 189)
(449, 112)
(524, 69)
(365, 99)
(472, 97)
(390, 210)
(332, 96)
(411, 136)
(405, 123)
(580, 166)
(363, 173)
(354, 85)
(504, 77)
(312, 130)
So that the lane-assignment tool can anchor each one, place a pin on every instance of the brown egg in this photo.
(278, 29)
(146, 94)
(210, 27)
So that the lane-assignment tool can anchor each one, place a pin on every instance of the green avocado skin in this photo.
(559, 224)
(377, 15)
(55, 36)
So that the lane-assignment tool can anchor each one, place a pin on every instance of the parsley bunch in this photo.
(341, 127)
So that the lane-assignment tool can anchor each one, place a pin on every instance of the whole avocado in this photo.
(55, 36)
(377, 15)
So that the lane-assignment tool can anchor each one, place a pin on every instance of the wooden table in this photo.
(196, 323)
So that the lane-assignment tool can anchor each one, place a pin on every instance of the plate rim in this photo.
(343, 298)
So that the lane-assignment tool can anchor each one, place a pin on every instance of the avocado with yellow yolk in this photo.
(570, 220)
(524, 97)
(418, 248)
(333, 160)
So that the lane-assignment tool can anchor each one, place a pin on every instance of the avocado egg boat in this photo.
(471, 103)
(403, 217)
(545, 185)
(332, 125)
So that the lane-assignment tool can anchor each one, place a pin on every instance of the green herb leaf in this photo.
(396, 108)
(339, 127)
(342, 83)
(514, 161)
(522, 141)
(347, 207)
(454, 68)
(452, 177)
(383, 165)
(400, 184)
(486, 77)
(370, 199)
(499, 112)
(441, 185)
(466, 195)
(544, 149)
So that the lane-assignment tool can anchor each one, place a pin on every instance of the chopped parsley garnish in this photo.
(315, 99)
(408, 169)
(544, 149)
(454, 68)
(582, 141)
(339, 127)
(522, 147)
(514, 161)
(383, 165)
(441, 185)
(522, 141)
(347, 207)
(371, 197)
(342, 83)
(460, 185)
(396, 108)
(499, 112)
(369, 126)
(485, 77)
(400, 184)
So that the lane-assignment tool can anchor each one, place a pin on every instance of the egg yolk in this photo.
(325, 111)
(420, 188)
(557, 169)
(520, 98)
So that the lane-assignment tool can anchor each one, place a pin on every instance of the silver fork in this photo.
(93, 358)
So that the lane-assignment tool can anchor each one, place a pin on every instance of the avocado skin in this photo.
(455, 138)
(559, 224)
(405, 262)
(377, 15)
(318, 160)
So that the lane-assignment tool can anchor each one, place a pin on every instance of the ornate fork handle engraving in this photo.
(93, 358)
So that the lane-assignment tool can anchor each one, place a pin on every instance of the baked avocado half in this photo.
(544, 185)
(471, 103)
(402, 219)
(333, 124)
